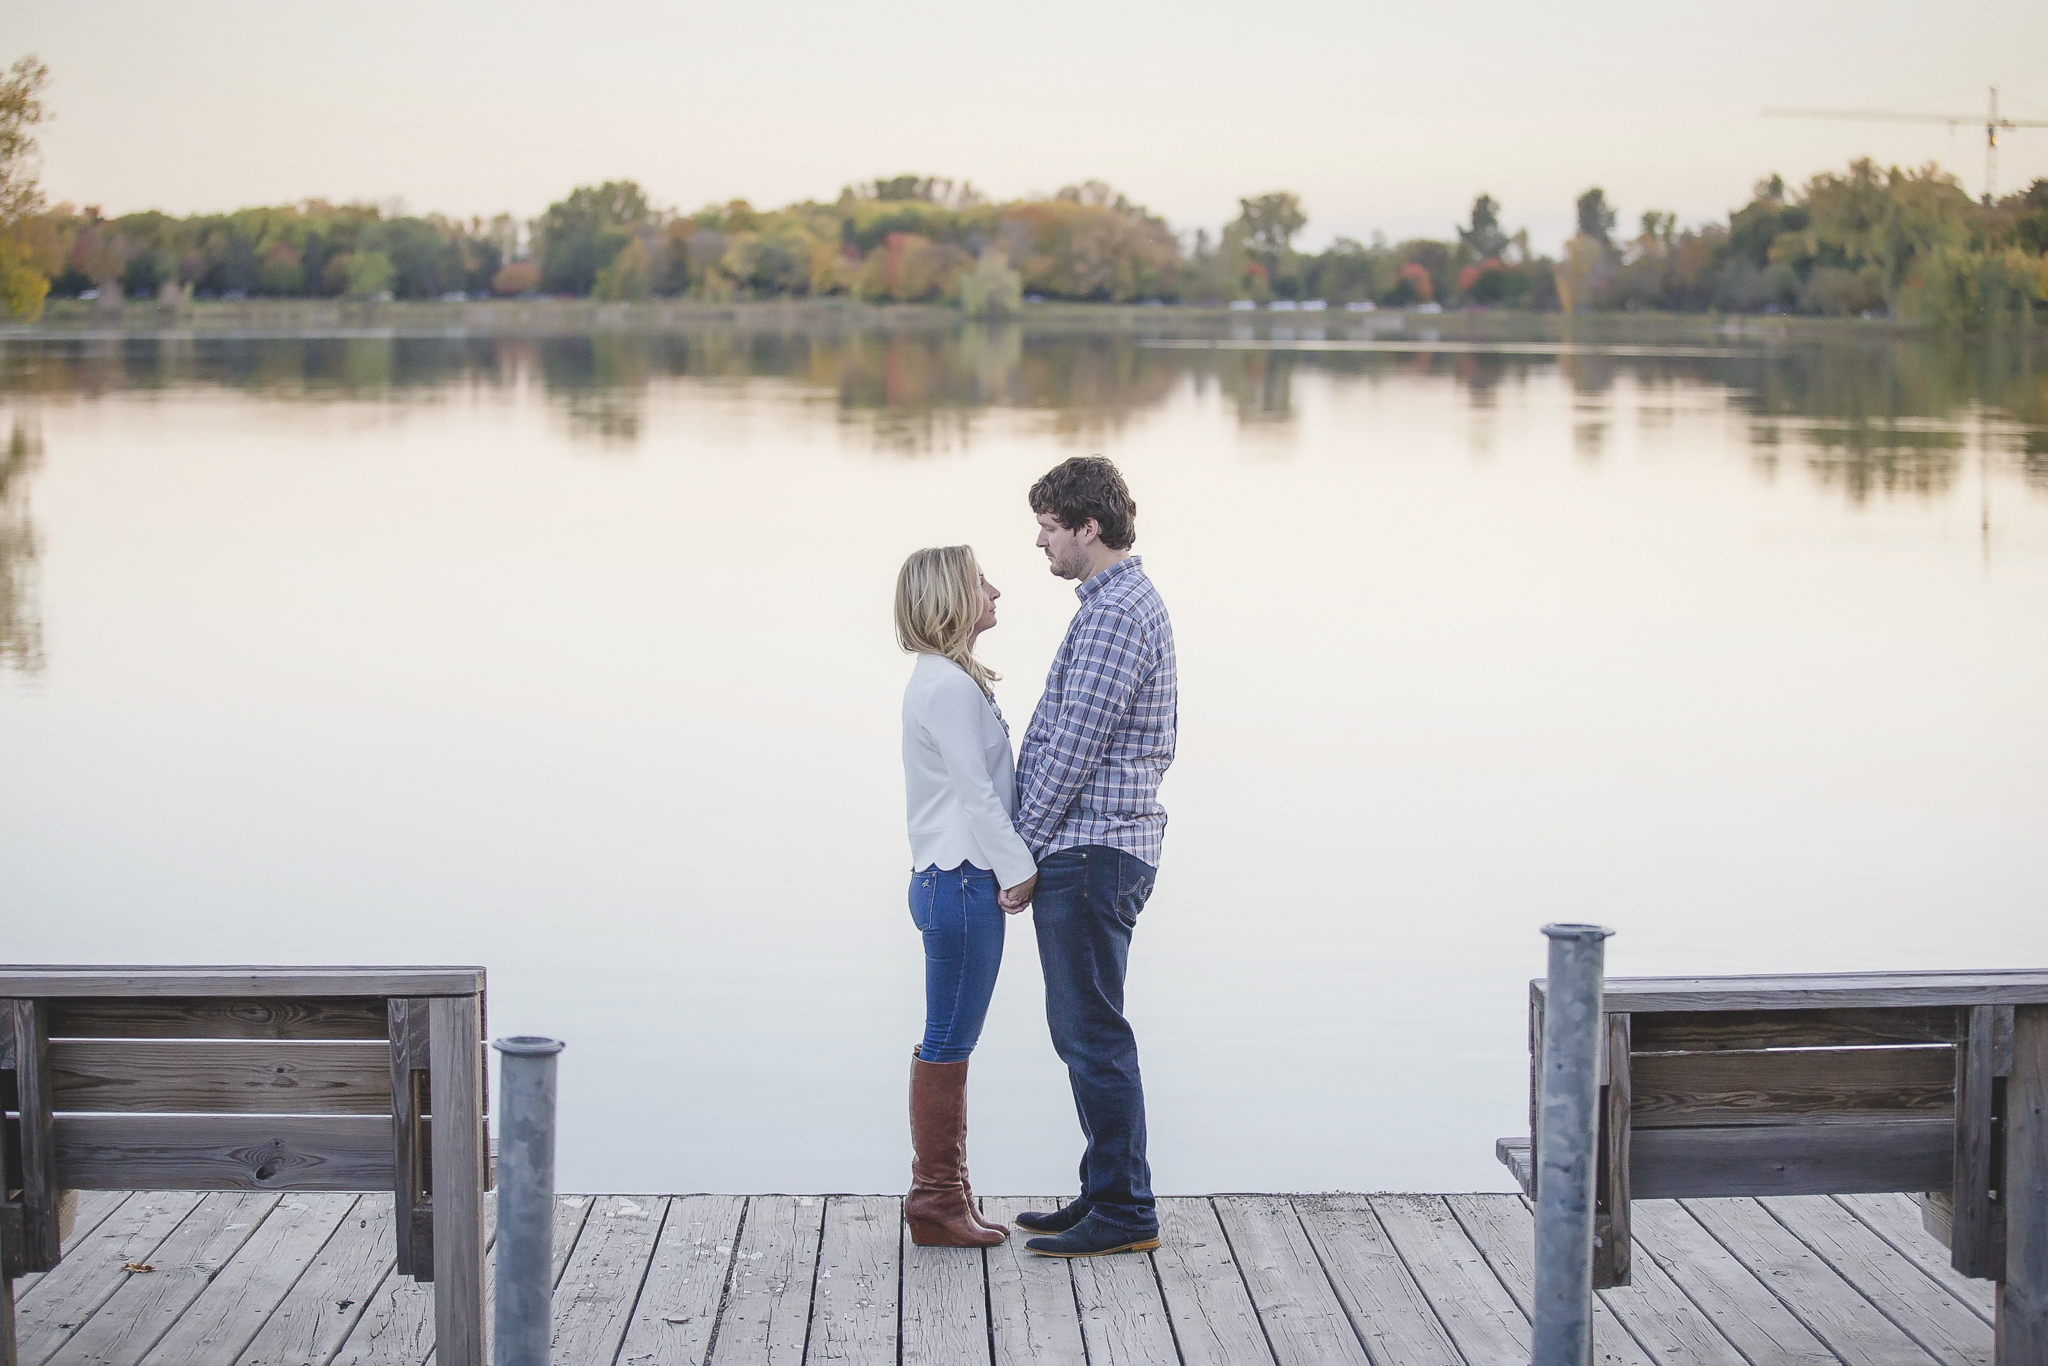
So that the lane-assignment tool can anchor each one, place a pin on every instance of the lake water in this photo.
(571, 656)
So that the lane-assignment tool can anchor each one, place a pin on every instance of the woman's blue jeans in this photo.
(962, 925)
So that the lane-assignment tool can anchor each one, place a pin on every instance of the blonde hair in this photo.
(938, 600)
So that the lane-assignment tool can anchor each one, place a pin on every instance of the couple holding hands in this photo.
(1071, 830)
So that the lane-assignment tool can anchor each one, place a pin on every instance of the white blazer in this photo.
(958, 776)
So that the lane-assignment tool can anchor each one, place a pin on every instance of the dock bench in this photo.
(1934, 1084)
(250, 1078)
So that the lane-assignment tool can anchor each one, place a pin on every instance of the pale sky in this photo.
(1381, 117)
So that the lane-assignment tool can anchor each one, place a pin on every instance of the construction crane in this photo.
(1992, 123)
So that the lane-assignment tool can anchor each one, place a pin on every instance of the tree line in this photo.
(1869, 240)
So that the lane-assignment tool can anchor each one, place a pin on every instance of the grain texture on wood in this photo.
(1725, 1290)
(214, 1077)
(945, 1305)
(595, 1297)
(1612, 1243)
(2023, 1303)
(313, 1319)
(240, 1296)
(1829, 1306)
(1946, 1328)
(34, 1139)
(768, 1299)
(209, 1017)
(1504, 1231)
(395, 1326)
(149, 1304)
(678, 1307)
(409, 1032)
(1897, 1220)
(65, 1299)
(1822, 991)
(1822, 1157)
(1386, 1308)
(1214, 1323)
(1460, 1285)
(1977, 1248)
(240, 981)
(225, 1152)
(1304, 1319)
(853, 1307)
(458, 1173)
(1123, 1316)
(1708, 1031)
(1031, 1298)
(1676, 1089)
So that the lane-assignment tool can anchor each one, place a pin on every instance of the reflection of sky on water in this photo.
(355, 653)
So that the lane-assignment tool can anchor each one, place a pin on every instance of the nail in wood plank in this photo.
(678, 1308)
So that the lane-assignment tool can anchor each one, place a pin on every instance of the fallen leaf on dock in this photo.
(137, 1266)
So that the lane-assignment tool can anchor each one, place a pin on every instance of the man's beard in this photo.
(1074, 566)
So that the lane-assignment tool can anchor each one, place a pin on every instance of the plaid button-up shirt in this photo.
(1102, 736)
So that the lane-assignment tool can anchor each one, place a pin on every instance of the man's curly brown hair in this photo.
(1089, 486)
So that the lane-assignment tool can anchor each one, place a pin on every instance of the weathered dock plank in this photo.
(1504, 1231)
(245, 1292)
(314, 1318)
(148, 1303)
(1896, 1219)
(1387, 1308)
(1475, 1308)
(258, 1279)
(853, 1308)
(678, 1308)
(1032, 1315)
(595, 1294)
(1829, 1306)
(768, 1297)
(1305, 1322)
(1214, 1323)
(1947, 1329)
(49, 1312)
(945, 1305)
(91, 1211)
(1726, 1291)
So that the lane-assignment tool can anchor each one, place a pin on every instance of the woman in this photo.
(962, 789)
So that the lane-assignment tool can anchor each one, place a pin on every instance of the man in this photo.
(1088, 809)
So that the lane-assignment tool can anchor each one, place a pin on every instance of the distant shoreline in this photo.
(255, 318)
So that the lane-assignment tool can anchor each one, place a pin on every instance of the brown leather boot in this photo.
(967, 1186)
(936, 1208)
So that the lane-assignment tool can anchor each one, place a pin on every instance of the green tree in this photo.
(1484, 239)
(24, 279)
(1596, 216)
(578, 236)
(370, 273)
(1271, 221)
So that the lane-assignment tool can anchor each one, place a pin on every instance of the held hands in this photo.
(1015, 899)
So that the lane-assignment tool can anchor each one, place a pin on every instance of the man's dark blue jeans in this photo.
(1084, 910)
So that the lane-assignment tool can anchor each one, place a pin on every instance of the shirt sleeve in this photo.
(954, 723)
(1110, 663)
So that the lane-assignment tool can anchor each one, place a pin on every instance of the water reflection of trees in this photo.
(21, 624)
(1864, 415)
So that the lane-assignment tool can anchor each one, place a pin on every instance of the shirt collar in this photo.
(1090, 587)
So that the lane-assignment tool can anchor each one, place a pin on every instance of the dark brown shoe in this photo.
(937, 1207)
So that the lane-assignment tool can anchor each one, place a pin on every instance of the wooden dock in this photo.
(259, 1279)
